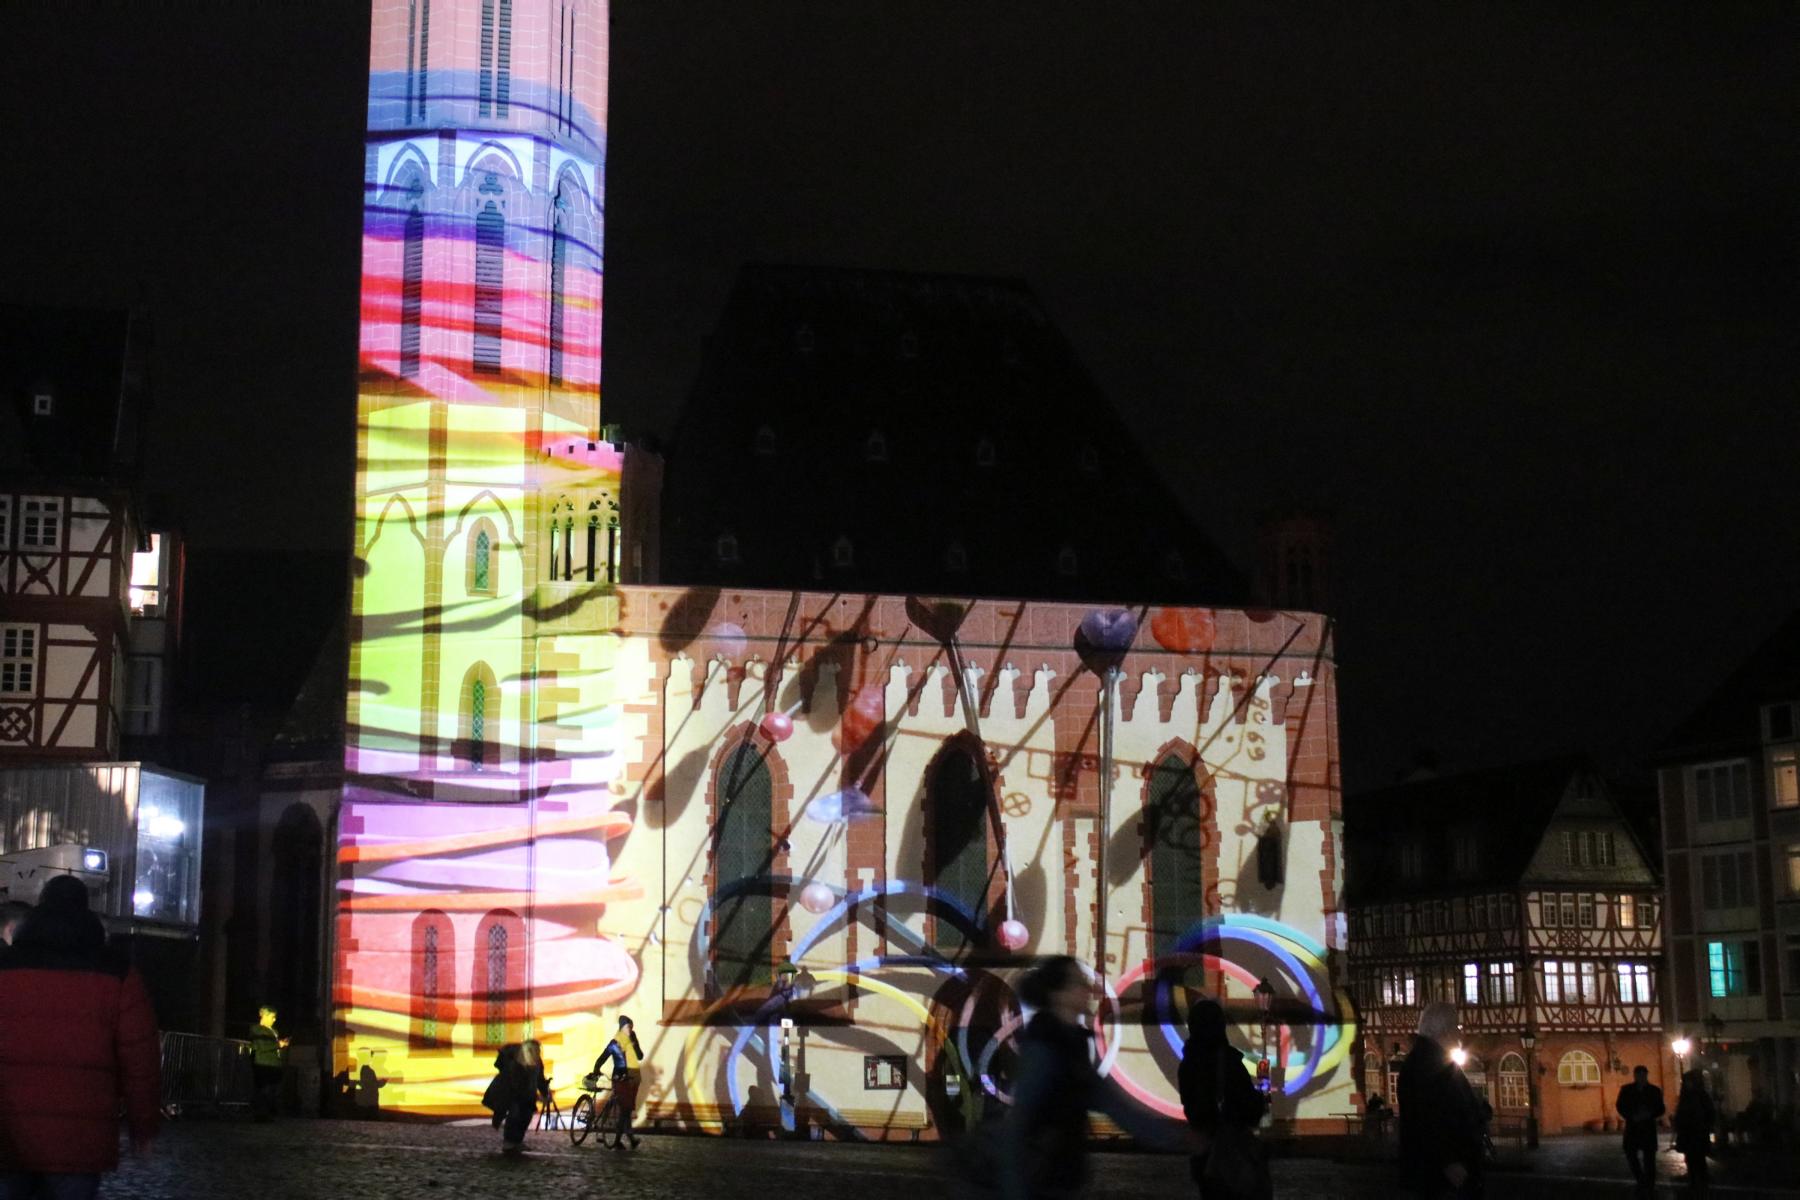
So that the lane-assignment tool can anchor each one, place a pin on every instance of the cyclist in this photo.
(626, 1057)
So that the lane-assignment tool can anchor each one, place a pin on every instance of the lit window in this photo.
(146, 579)
(1784, 786)
(1634, 983)
(18, 660)
(1587, 910)
(1514, 1089)
(40, 523)
(1734, 968)
(1501, 983)
(1578, 1068)
(1792, 857)
(1623, 917)
(1471, 990)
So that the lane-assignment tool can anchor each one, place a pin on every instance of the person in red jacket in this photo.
(76, 1034)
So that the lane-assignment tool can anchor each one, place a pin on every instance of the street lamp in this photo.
(1265, 1004)
(1528, 1039)
(1681, 1046)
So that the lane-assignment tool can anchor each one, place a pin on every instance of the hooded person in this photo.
(1441, 1120)
(77, 1036)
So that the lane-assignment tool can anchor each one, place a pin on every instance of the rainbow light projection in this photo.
(721, 813)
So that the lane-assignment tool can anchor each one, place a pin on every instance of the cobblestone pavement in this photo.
(342, 1160)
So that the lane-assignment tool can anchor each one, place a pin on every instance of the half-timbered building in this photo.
(1522, 896)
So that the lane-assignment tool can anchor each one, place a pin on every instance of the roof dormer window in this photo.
(909, 344)
(1067, 564)
(43, 404)
(1174, 565)
(875, 449)
(1090, 460)
(984, 453)
(804, 340)
(843, 552)
(956, 558)
(726, 548)
(763, 444)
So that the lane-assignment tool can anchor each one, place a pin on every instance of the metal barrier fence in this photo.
(205, 1074)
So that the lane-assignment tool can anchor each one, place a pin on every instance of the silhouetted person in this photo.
(1441, 1123)
(77, 1036)
(512, 1096)
(627, 1059)
(1694, 1120)
(1640, 1106)
(1223, 1106)
(267, 1049)
(1044, 1147)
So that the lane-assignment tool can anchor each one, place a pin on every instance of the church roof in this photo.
(71, 390)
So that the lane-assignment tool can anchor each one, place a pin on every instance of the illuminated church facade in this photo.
(806, 840)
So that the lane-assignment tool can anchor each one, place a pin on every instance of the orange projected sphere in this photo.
(1184, 630)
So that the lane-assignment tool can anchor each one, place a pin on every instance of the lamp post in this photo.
(1528, 1039)
(1265, 1003)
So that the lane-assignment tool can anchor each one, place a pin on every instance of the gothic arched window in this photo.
(496, 57)
(957, 801)
(559, 254)
(499, 984)
(480, 718)
(418, 68)
(490, 284)
(482, 579)
(743, 910)
(1175, 838)
(433, 985)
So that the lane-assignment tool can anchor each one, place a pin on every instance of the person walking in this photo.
(626, 1057)
(77, 1036)
(267, 1050)
(513, 1093)
(1223, 1106)
(1441, 1125)
(1640, 1106)
(1695, 1117)
(1043, 1150)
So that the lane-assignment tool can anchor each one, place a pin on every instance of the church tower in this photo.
(486, 510)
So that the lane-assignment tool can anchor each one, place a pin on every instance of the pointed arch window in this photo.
(499, 984)
(418, 65)
(480, 718)
(412, 289)
(490, 284)
(743, 909)
(433, 984)
(483, 570)
(1175, 837)
(959, 866)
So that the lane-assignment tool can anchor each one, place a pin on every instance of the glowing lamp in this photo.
(816, 898)
(778, 726)
(1459, 1056)
(1013, 934)
(93, 860)
(143, 899)
(1681, 1046)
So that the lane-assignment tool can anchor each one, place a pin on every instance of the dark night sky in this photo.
(1508, 289)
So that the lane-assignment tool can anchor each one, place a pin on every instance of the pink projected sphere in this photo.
(778, 726)
(1014, 935)
(817, 898)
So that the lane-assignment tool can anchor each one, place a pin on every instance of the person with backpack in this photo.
(1223, 1107)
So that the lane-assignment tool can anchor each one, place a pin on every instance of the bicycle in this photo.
(591, 1115)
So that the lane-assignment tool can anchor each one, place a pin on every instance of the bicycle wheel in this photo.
(581, 1119)
(609, 1122)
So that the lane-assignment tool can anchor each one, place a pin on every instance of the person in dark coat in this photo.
(1216, 1092)
(1640, 1106)
(77, 1035)
(1043, 1153)
(512, 1095)
(1695, 1117)
(1441, 1125)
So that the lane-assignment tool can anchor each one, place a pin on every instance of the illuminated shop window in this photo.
(1174, 828)
(40, 523)
(166, 886)
(18, 660)
(958, 802)
(490, 285)
(743, 910)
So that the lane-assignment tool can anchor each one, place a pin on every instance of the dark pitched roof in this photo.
(1731, 717)
(939, 366)
(90, 363)
(1506, 808)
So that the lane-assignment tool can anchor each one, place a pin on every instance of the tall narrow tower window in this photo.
(486, 106)
(412, 291)
(490, 286)
(478, 721)
(480, 713)
(484, 552)
(559, 253)
(503, 83)
(496, 984)
(424, 88)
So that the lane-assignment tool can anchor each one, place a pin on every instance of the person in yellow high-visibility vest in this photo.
(268, 1050)
(626, 1057)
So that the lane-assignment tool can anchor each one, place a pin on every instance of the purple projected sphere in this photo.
(1109, 629)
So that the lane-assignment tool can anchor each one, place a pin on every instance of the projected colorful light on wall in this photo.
(569, 799)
